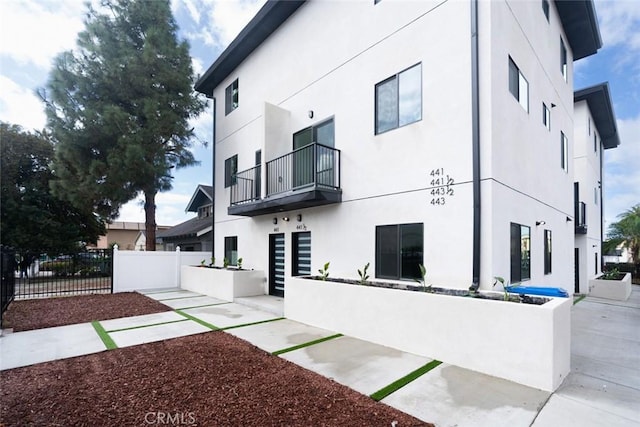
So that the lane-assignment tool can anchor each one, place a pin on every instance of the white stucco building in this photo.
(402, 133)
(595, 130)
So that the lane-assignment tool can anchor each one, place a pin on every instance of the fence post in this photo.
(178, 266)
(115, 282)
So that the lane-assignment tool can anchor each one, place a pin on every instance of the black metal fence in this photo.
(247, 186)
(41, 276)
(7, 283)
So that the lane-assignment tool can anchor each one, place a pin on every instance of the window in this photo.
(399, 100)
(595, 143)
(231, 249)
(546, 116)
(564, 152)
(520, 253)
(230, 171)
(231, 97)
(301, 254)
(596, 263)
(589, 121)
(545, 8)
(399, 251)
(518, 85)
(204, 211)
(547, 251)
(563, 60)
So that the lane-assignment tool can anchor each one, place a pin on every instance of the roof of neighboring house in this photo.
(580, 24)
(202, 196)
(598, 99)
(189, 228)
(266, 21)
(133, 226)
(578, 19)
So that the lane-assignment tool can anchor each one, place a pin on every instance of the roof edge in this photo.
(598, 98)
(273, 14)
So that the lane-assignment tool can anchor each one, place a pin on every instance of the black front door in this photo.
(276, 264)
(576, 263)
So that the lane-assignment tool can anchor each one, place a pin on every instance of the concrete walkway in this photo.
(603, 388)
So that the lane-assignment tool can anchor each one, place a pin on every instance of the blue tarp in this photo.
(538, 290)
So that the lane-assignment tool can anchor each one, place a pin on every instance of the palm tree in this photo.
(627, 232)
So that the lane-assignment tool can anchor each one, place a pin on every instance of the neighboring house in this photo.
(401, 133)
(621, 254)
(128, 236)
(595, 130)
(194, 234)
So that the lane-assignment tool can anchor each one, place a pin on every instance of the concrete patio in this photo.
(602, 389)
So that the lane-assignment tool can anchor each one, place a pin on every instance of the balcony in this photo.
(580, 213)
(303, 178)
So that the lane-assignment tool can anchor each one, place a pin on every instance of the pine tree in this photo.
(118, 108)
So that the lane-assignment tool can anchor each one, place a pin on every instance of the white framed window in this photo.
(545, 8)
(518, 85)
(546, 116)
(231, 97)
(564, 152)
(563, 60)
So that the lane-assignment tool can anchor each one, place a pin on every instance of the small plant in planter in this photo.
(213, 262)
(324, 272)
(202, 263)
(239, 263)
(498, 279)
(363, 274)
(422, 280)
(225, 263)
(613, 274)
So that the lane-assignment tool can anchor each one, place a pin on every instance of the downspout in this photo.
(213, 183)
(601, 185)
(475, 129)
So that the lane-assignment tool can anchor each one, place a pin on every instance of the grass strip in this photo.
(398, 384)
(577, 300)
(252, 323)
(195, 319)
(104, 335)
(306, 344)
(147, 326)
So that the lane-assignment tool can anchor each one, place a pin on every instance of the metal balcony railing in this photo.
(312, 165)
(247, 186)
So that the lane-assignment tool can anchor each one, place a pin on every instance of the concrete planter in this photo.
(224, 284)
(611, 289)
(527, 344)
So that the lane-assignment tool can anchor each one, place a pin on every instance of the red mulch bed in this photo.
(26, 315)
(209, 379)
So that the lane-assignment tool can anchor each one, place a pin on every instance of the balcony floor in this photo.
(299, 199)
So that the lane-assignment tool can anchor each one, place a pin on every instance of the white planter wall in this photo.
(611, 289)
(527, 344)
(221, 283)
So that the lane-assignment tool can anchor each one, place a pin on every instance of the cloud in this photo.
(225, 19)
(170, 209)
(622, 173)
(20, 105)
(35, 31)
(619, 27)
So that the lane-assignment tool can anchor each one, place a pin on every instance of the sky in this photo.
(33, 32)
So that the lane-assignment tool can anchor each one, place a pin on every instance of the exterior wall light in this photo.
(538, 223)
(275, 220)
(299, 217)
(569, 219)
(285, 219)
(310, 114)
